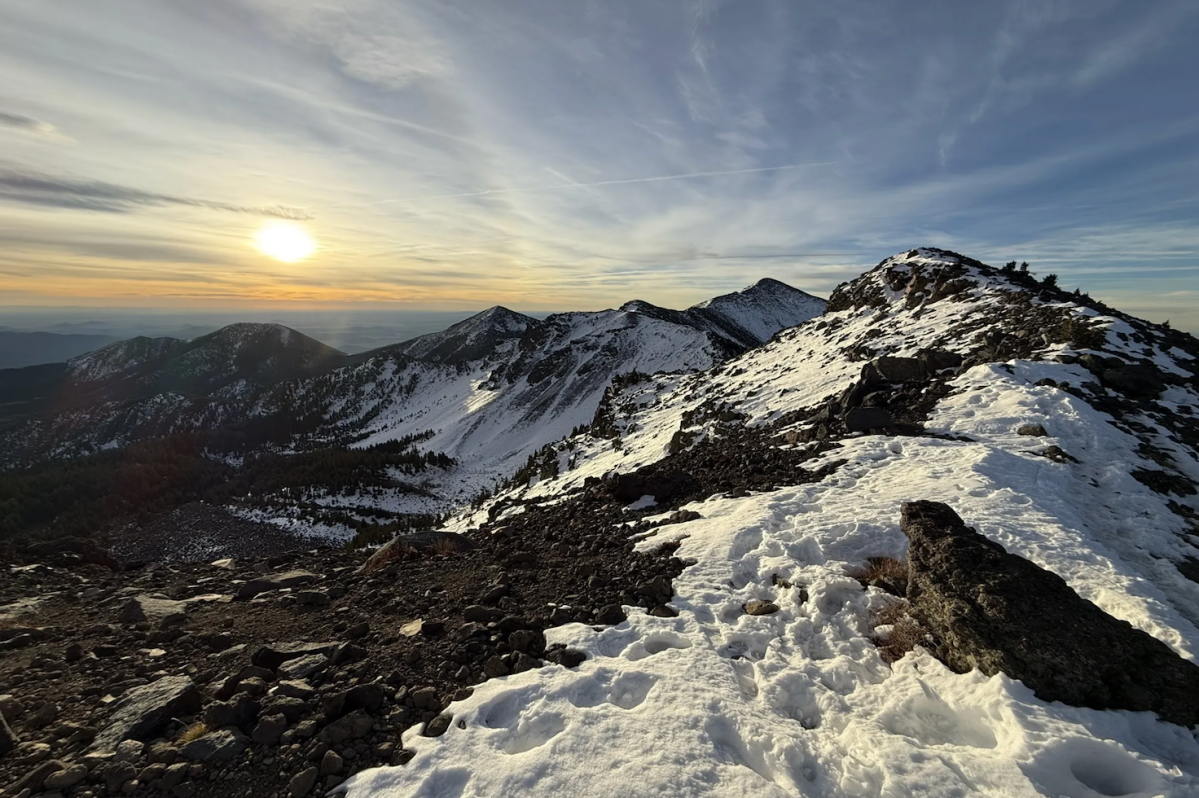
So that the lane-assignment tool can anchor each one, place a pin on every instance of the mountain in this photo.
(487, 391)
(20, 349)
(745, 318)
(942, 539)
(788, 660)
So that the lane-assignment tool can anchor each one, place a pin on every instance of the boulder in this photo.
(888, 370)
(278, 581)
(303, 667)
(351, 727)
(273, 655)
(665, 486)
(269, 729)
(302, 783)
(760, 607)
(864, 419)
(65, 779)
(143, 711)
(222, 745)
(160, 612)
(999, 613)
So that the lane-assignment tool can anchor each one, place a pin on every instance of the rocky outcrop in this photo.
(143, 711)
(1000, 613)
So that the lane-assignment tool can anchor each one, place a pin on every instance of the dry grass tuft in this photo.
(194, 732)
(444, 547)
(906, 632)
(886, 573)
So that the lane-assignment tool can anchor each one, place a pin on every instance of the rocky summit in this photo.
(937, 537)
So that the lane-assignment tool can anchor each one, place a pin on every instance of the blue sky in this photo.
(573, 155)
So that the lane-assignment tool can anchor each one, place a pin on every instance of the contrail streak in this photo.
(598, 184)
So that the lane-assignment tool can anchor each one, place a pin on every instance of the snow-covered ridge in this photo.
(718, 702)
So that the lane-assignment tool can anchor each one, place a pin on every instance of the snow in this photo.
(719, 703)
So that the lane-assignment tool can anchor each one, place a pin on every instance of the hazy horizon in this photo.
(193, 157)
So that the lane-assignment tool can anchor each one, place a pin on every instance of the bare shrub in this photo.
(905, 633)
(886, 573)
(194, 732)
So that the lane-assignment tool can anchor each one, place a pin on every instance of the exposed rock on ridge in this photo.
(998, 612)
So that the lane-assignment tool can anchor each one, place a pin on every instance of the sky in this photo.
(544, 154)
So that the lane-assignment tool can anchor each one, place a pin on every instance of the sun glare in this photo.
(285, 241)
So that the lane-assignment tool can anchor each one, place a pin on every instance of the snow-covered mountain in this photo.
(1059, 428)
(489, 390)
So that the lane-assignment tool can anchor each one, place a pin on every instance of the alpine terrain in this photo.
(938, 536)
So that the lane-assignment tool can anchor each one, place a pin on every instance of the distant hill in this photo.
(20, 349)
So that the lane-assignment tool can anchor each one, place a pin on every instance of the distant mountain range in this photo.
(487, 391)
(19, 349)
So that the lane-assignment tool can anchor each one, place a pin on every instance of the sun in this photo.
(285, 241)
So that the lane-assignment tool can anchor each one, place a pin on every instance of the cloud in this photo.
(36, 189)
(28, 124)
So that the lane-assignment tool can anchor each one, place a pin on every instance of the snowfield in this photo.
(716, 702)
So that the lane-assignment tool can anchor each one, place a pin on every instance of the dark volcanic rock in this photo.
(144, 710)
(8, 740)
(864, 419)
(1001, 613)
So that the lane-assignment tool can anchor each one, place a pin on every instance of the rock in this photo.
(143, 711)
(161, 613)
(8, 738)
(269, 729)
(129, 751)
(666, 486)
(35, 779)
(610, 614)
(493, 667)
(10, 708)
(232, 684)
(358, 631)
(274, 655)
(222, 745)
(1136, 381)
(302, 783)
(1032, 430)
(117, 774)
(426, 698)
(864, 419)
(303, 667)
(476, 613)
(888, 370)
(46, 714)
(291, 708)
(65, 779)
(173, 776)
(293, 689)
(438, 726)
(760, 607)
(363, 696)
(331, 764)
(1000, 613)
(164, 753)
(312, 598)
(274, 582)
(351, 727)
(241, 711)
(494, 594)
(30, 753)
(567, 657)
(934, 360)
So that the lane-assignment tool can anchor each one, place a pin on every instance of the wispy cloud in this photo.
(579, 154)
(92, 195)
